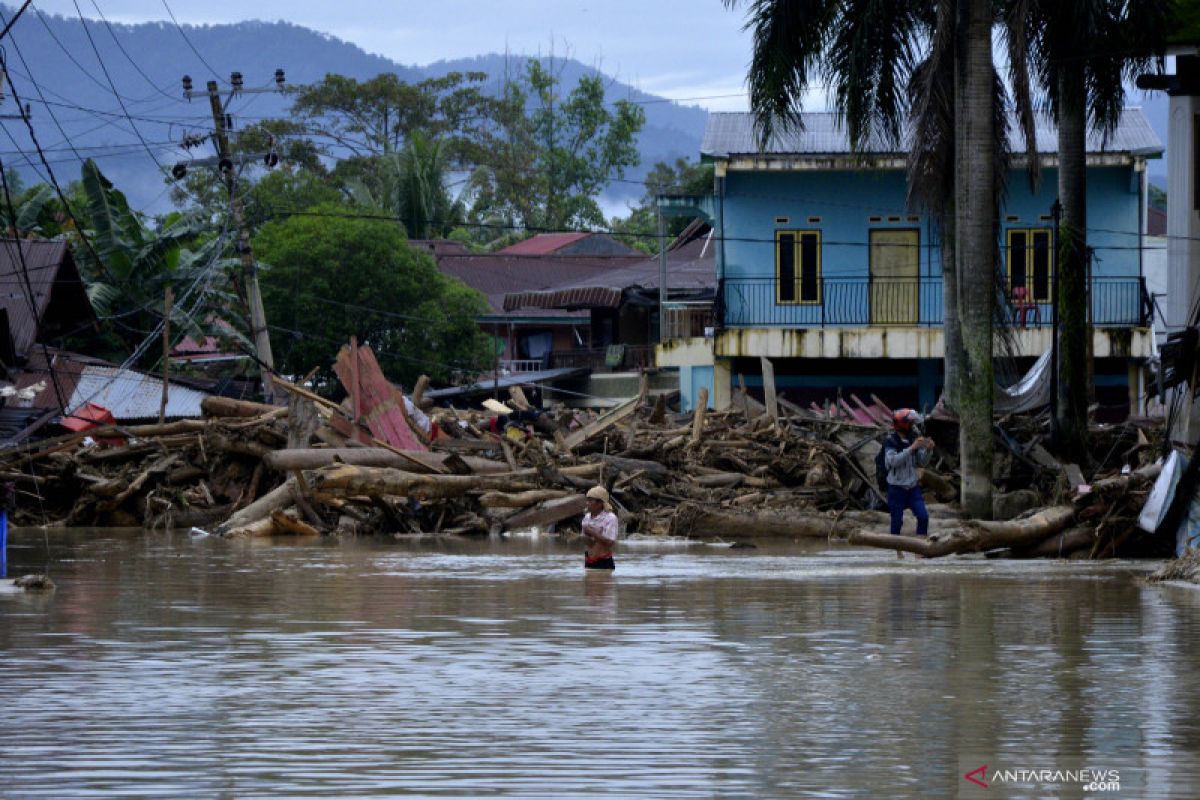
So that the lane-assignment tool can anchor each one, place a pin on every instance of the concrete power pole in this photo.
(258, 318)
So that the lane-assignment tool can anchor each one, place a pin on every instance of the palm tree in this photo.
(1083, 51)
(870, 57)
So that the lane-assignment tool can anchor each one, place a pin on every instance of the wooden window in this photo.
(1030, 262)
(798, 267)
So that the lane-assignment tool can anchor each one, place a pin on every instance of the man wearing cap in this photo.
(600, 530)
(903, 452)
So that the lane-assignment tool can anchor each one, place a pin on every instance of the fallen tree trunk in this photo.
(215, 406)
(277, 498)
(375, 481)
(1061, 545)
(548, 513)
(520, 499)
(974, 537)
(407, 460)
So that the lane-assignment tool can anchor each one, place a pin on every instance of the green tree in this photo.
(552, 156)
(327, 276)
(640, 228)
(127, 266)
(375, 117)
(412, 185)
(1083, 52)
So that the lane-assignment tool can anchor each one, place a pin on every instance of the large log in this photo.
(1060, 545)
(547, 513)
(521, 499)
(974, 536)
(408, 460)
(376, 481)
(228, 407)
(277, 498)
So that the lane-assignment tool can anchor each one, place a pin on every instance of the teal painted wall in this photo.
(843, 203)
(691, 379)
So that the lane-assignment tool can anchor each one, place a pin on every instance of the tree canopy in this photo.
(328, 275)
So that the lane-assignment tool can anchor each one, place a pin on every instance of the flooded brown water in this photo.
(166, 665)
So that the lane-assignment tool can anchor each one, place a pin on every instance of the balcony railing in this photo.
(614, 357)
(513, 365)
(683, 322)
(848, 302)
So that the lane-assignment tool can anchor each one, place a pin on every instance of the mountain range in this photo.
(114, 93)
(67, 70)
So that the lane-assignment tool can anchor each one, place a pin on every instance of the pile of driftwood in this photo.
(317, 467)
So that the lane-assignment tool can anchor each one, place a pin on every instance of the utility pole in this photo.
(259, 332)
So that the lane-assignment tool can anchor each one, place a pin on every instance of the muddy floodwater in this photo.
(167, 665)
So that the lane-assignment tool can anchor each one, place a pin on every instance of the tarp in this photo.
(1028, 394)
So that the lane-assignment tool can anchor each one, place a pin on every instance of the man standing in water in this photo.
(903, 452)
(600, 530)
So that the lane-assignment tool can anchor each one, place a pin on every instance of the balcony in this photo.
(614, 357)
(916, 302)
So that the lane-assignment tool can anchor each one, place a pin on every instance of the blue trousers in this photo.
(900, 498)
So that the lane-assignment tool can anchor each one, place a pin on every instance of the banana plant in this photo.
(128, 266)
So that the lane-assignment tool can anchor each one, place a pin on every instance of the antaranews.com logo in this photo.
(1098, 776)
(1088, 780)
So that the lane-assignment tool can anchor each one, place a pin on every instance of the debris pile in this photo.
(378, 464)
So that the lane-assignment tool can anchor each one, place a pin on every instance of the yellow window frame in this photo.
(797, 268)
(1029, 253)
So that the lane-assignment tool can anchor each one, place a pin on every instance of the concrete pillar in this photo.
(722, 393)
(1135, 389)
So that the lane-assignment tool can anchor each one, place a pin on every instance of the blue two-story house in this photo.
(823, 268)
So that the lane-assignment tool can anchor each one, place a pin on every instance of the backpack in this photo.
(881, 470)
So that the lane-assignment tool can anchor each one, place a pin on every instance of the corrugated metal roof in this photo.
(515, 379)
(52, 276)
(131, 395)
(495, 275)
(691, 269)
(730, 134)
(542, 244)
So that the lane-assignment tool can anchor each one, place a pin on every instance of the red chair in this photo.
(1024, 308)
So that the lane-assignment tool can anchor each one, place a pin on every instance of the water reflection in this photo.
(170, 666)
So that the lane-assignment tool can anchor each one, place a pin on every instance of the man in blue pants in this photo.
(903, 452)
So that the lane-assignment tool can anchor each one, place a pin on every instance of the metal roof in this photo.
(514, 379)
(495, 275)
(542, 244)
(691, 270)
(729, 134)
(131, 395)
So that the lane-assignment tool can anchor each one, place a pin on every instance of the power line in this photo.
(182, 33)
(121, 47)
(116, 94)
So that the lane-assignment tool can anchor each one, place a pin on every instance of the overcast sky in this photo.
(680, 49)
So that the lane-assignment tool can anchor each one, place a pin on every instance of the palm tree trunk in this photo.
(975, 250)
(951, 326)
(1071, 414)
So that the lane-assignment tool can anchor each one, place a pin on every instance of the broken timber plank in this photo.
(600, 425)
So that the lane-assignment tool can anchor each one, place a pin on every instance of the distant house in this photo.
(623, 304)
(532, 338)
(42, 297)
(569, 244)
(822, 267)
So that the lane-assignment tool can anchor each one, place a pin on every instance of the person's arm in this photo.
(894, 457)
(603, 529)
